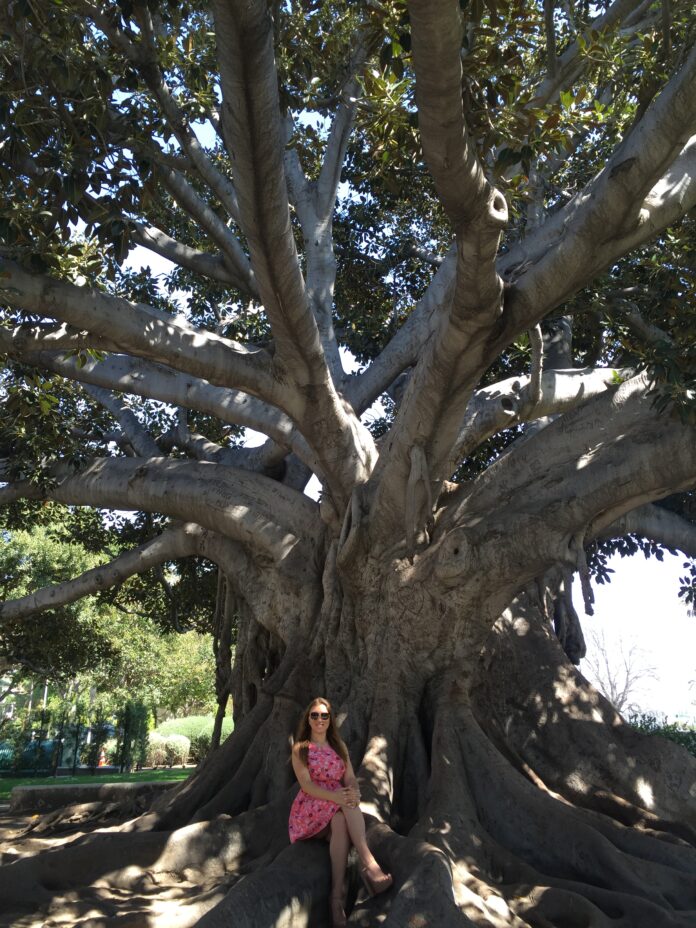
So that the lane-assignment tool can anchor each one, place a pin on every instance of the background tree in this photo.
(64, 641)
(96, 656)
(510, 258)
(617, 672)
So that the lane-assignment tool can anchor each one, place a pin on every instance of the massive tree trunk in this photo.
(501, 789)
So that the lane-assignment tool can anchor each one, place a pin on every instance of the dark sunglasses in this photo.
(315, 716)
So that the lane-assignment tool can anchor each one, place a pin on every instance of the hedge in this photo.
(199, 731)
(648, 724)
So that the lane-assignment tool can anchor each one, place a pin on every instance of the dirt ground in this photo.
(178, 905)
(13, 844)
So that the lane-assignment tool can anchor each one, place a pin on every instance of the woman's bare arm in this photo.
(340, 796)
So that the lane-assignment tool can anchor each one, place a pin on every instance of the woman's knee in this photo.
(338, 823)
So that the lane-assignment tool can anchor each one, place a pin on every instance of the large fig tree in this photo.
(488, 205)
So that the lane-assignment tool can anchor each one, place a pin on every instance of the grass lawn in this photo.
(174, 774)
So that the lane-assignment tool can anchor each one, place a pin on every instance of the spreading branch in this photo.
(615, 209)
(141, 330)
(404, 347)
(264, 515)
(566, 69)
(183, 193)
(515, 400)
(602, 459)
(315, 203)
(584, 471)
(170, 545)
(138, 437)
(449, 153)
(201, 262)
(668, 201)
(147, 379)
(52, 337)
(255, 139)
(143, 55)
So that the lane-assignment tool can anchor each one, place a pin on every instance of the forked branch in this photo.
(256, 140)
(597, 458)
(457, 351)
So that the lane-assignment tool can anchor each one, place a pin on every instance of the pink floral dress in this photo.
(309, 816)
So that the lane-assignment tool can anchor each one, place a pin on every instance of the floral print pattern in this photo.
(309, 816)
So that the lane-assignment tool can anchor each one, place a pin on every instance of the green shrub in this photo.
(650, 725)
(198, 729)
(133, 721)
(156, 756)
(200, 745)
(167, 751)
(176, 749)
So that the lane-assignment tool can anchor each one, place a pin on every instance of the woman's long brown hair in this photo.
(303, 733)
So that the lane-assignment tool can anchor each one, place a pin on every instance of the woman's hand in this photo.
(350, 797)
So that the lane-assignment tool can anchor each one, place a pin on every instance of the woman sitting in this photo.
(327, 804)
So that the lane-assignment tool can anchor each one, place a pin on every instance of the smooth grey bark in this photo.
(657, 523)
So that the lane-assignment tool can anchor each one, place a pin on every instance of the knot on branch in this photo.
(454, 557)
(496, 209)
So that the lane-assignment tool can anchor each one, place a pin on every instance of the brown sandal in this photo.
(380, 885)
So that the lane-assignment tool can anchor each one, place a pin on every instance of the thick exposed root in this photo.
(107, 872)
(177, 807)
(548, 862)
(540, 710)
(423, 892)
(291, 891)
(77, 814)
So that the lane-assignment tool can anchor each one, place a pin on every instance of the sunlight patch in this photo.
(294, 915)
(576, 782)
(376, 764)
(645, 792)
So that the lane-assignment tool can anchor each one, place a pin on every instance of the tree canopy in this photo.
(490, 205)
